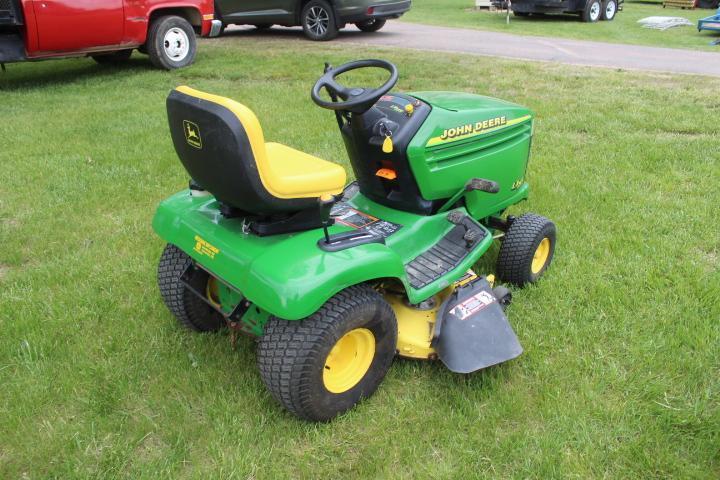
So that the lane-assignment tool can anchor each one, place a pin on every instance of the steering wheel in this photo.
(356, 100)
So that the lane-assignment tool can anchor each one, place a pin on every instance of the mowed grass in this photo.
(623, 29)
(620, 375)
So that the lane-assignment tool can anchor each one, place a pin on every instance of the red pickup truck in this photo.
(106, 30)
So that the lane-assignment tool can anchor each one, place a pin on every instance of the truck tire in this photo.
(527, 249)
(372, 25)
(323, 365)
(318, 21)
(189, 310)
(609, 10)
(171, 42)
(592, 11)
(112, 58)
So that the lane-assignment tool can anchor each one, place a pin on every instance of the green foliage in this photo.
(623, 29)
(620, 375)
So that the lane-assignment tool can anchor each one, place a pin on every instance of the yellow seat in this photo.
(285, 173)
(293, 173)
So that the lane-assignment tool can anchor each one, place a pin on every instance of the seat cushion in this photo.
(295, 174)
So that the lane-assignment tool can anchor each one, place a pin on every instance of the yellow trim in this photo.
(439, 140)
(349, 360)
(541, 256)
(209, 16)
(283, 171)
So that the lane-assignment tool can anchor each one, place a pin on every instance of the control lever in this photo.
(456, 217)
(325, 204)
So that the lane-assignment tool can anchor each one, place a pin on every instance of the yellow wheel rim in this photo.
(212, 292)
(349, 360)
(541, 256)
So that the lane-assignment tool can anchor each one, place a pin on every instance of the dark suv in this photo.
(320, 19)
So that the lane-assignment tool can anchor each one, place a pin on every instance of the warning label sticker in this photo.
(346, 215)
(473, 305)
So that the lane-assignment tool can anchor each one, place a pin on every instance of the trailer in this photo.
(711, 23)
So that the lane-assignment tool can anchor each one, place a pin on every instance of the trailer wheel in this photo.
(592, 11)
(323, 365)
(527, 250)
(171, 42)
(112, 58)
(189, 310)
(609, 10)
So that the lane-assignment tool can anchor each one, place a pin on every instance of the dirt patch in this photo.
(4, 270)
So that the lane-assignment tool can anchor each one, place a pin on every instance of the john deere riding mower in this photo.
(334, 280)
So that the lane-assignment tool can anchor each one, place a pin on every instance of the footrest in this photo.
(445, 255)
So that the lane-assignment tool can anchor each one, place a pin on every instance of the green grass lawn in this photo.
(621, 372)
(624, 29)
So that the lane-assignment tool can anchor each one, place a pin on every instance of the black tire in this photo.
(592, 11)
(521, 14)
(112, 58)
(371, 25)
(178, 50)
(189, 310)
(520, 244)
(318, 21)
(609, 10)
(292, 355)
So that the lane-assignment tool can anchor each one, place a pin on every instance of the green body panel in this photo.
(289, 275)
(468, 136)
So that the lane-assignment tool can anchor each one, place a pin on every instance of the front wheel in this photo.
(323, 365)
(318, 21)
(171, 42)
(371, 25)
(609, 9)
(592, 11)
(527, 249)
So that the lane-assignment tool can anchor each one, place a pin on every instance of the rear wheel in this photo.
(527, 249)
(171, 42)
(190, 311)
(323, 365)
(318, 21)
(111, 58)
(371, 25)
(592, 11)
(609, 9)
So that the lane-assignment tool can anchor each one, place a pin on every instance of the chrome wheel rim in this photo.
(595, 11)
(176, 44)
(610, 10)
(317, 20)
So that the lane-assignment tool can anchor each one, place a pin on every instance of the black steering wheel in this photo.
(356, 100)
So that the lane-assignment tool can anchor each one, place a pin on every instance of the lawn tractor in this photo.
(335, 279)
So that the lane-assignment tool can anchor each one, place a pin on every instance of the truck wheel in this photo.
(171, 42)
(323, 365)
(609, 9)
(372, 25)
(592, 11)
(527, 250)
(189, 310)
(111, 58)
(318, 21)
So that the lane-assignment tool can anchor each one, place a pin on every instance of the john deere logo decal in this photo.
(192, 134)
(203, 247)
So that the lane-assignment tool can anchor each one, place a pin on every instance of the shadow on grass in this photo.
(33, 75)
